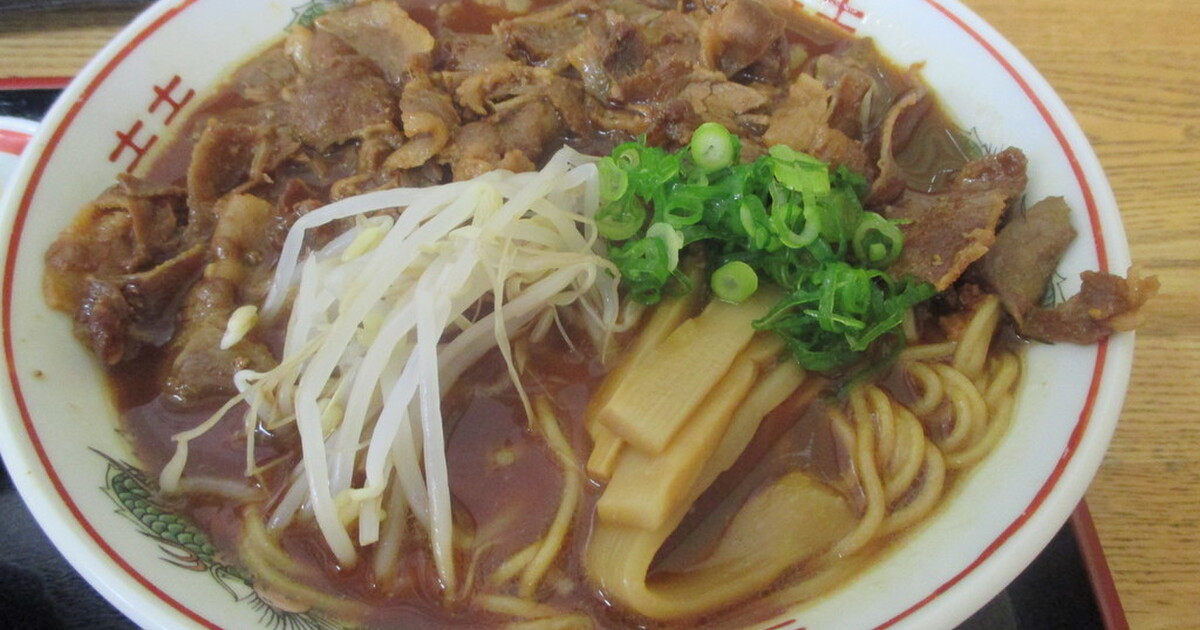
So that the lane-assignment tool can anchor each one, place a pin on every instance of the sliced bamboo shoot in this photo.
(667, 316)
(662, 391)
(646, 488)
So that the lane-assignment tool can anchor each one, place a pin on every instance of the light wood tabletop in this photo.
(1129, 73)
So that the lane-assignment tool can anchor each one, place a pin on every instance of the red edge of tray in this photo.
(1104, 589)
(33, 83)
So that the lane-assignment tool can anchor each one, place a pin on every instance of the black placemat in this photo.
(50, 5)
(40, 590)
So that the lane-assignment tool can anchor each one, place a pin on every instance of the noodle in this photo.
(277, 575)
(575, 621)
(516, 606)
(867, 474)
(904, 458)
(903, 467)
(572, 488)
(926, 497)
(928, 352)
(516, 563)
(972, 350)
(970, 411)
(898, 468)
(930, 386)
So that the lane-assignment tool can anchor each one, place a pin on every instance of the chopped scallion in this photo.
(877, 242)
(671, 238)
(786, 217)
(735, 281)
(810, 232)
(713, 147)
(621, 219)
(613, 181)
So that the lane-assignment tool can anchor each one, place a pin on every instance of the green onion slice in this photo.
(735, 281)
(810, 232)
(619, 220)
(672, 238)
(877, 242)
(613, 181)
(713, 147)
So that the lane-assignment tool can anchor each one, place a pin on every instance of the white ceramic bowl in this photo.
(58, 418)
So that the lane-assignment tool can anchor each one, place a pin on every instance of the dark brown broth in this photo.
(937, 151)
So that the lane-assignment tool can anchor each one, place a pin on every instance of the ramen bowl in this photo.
(62, 444)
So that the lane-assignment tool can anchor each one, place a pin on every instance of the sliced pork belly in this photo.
(1105, 304)
(1019, 265)
(945, 232)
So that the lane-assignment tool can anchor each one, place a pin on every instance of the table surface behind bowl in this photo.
(1128, 72)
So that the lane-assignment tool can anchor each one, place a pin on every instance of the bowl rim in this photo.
(138, 597)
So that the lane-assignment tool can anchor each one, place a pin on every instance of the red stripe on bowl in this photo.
(1068, 151)
(1102, 350)
(6, 298)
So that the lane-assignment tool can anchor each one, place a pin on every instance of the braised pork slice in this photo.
(898, 127)
(507, 84)
(544, 37)
(944, 232)
(129, 228)
(385, 34)
(479, 93)
(428, 118)
(513, 139)
(102, 321)
(199, 368)
(613, 60)
(119, 314)
(1105, 304)
(340, 102)
(468, 52)
(738, 35)
(802, 123)
(151, 293)
(241, 249)
(1020, 263)
(229, 157)
(715, 98)
(849, 83)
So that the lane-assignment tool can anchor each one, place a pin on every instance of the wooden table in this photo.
(1130, 72)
